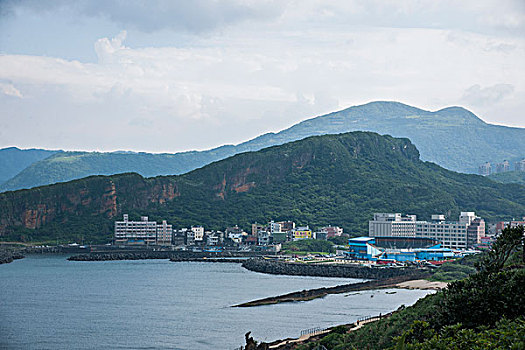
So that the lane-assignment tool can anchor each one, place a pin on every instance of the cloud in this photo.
(105, 48)
(252, 77)
(490, 95)
(9, 90)
(195, 16)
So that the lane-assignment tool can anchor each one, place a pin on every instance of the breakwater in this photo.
(310, 294)
(330, 270)
(172, 255)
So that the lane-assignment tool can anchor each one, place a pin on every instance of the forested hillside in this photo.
(333, 179)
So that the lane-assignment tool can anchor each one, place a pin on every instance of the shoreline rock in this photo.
(7, 257)
(175, 256)
(332, 270)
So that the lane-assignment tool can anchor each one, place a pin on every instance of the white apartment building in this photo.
(135, 232)
(451, 234)
(164, 233)
(274, 227)
(199, 233)
(392, 225)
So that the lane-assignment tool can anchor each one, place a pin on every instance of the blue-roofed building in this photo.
(434, 253)
(362, 248)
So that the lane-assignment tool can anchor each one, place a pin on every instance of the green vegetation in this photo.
(482, 311)
(309, 246)
(506, 334)
(339, 240)
(452, 137)
(13, 160)
(452, 271)
(332, 179)
(517, 177)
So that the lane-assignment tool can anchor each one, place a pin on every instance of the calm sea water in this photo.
(47, 302)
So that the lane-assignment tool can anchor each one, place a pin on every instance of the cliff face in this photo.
(97, 197)
(332, 179)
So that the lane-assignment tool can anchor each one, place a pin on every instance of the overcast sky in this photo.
(168, 76)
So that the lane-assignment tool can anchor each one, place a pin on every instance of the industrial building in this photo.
(365, 248)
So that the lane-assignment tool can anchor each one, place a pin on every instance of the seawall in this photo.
(172, 255)
(330, 270)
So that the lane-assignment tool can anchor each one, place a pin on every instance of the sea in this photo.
(48, 302)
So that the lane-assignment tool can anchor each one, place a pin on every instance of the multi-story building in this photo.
(164, 233)
(179, 237)
(520, 165)
(475, 232)
(451, 234)
(331, 231)
(503, 167)
(263, 238)
(303, 232)
(190, 237)
(286, 226)
(485, 169)
(256, 228)
(135, 232)
(392, 225)
(274, 227)
(198, 234)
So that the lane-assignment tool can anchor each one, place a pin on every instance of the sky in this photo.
(176, 75)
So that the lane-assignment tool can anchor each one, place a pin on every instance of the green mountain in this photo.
(452, 137)
(517, 177)
(333, 179)
(13, 160)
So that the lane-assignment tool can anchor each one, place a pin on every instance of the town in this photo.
(392, 238)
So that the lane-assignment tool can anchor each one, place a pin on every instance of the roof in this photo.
(361, 239)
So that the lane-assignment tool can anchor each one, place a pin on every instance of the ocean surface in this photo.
(47, 302)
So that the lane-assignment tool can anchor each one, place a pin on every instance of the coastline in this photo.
(7, 257)
(401, 282)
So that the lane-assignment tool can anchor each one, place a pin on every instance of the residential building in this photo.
(503, 167)
(331, 231)
(164, 233)
(520, 166)
(190, 237)
(213, 238)
(274, 227)
(256, 228)
(198, 233)
(303, 232)
(485, 169)
(263, 238)
(287, 226)
(135, 232)
(475, 232)
(179, 237)
(392, 225)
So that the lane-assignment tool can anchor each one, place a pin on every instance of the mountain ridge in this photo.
(452, 136)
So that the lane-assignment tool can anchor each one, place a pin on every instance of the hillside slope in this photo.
(332, 179)
(13, 160)
(452, 137)
(517, 177)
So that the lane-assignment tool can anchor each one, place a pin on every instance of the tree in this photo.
(506, 244)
